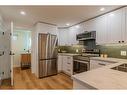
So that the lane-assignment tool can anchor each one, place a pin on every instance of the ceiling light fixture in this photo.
(77, 26)
(67, 24)
(22, 13)
(102, 9)
(111, 14)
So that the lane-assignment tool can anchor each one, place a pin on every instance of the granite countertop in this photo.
(68, 54)
(104, 77)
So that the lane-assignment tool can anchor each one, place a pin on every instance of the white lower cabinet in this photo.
(59, 65)
(94, 64)
(77, 85)
(65, 64)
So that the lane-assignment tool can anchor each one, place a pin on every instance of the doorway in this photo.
(21, 45)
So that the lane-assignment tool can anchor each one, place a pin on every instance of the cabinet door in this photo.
(101, 29)
(115, 26)
(90, 25)
(72, 35)
(63, 37)
(125, 33)
(95, 64)
(64, 62)
(59, 63)
(67, 66)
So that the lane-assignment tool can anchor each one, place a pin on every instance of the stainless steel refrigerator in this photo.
(47, 54)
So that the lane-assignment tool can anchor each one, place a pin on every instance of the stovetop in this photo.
(85, 57)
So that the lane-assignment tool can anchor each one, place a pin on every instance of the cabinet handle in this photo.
(122, 41)
(2, 53)
(68, 63)
(11, 53)
(68, 57)
(119, 41)
(68, 70)
(101, 64)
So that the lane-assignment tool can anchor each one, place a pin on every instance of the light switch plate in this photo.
(123, 53)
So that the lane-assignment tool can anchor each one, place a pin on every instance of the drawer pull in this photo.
(101, 64)
(68, 63)
(68, 57)
(68, 70)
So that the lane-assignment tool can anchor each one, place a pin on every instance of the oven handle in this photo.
(86, 62)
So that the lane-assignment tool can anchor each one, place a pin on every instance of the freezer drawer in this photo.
(51, 67)
(42, 68)
(47, 67)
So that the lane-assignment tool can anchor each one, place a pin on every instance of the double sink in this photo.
(122, 67)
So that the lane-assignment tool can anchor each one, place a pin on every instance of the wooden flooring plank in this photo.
(24, 79)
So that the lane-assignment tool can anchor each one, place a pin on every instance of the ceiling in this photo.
(59, 15)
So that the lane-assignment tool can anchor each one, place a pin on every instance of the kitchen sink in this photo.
(122, 67)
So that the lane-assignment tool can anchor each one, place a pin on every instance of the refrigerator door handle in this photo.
(47, 45)
(54, 46)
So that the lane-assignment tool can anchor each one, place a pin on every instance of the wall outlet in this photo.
(77, 50)
(123, 53)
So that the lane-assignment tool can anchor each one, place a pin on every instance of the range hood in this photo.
(87, 35)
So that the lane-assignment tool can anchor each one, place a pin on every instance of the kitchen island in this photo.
(102, 78)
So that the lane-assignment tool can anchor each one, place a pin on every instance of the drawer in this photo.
(94, 64)
(68, 71)
(69, 59)
(68, 64)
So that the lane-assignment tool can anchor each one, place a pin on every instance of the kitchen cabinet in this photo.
(65, 64)
(110, 28)
(72, 36)
(63, 37)
(68, 36)
(90, 25)
(125, 33)
(77, 85)
(25, 61)
(94, 64)
(116, 26)
(101, 29)
(59, 63)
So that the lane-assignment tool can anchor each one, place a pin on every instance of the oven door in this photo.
(80, 66)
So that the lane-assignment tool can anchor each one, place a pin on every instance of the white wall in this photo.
(39, 28)
(20, 42)
(5, 60)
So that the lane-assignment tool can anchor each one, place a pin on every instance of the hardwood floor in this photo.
(24, 79)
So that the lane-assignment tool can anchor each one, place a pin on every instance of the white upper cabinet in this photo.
(110, 28)
(101, 29)
(125, 25)
(72, 35)
(115, 26)
(90, 25)
(63, 37)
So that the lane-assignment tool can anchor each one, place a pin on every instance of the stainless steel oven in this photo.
(81, 64)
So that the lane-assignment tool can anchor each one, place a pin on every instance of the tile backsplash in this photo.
(71, 49)
(113, 50)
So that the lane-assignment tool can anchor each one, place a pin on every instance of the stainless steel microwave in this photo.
(87, 35)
